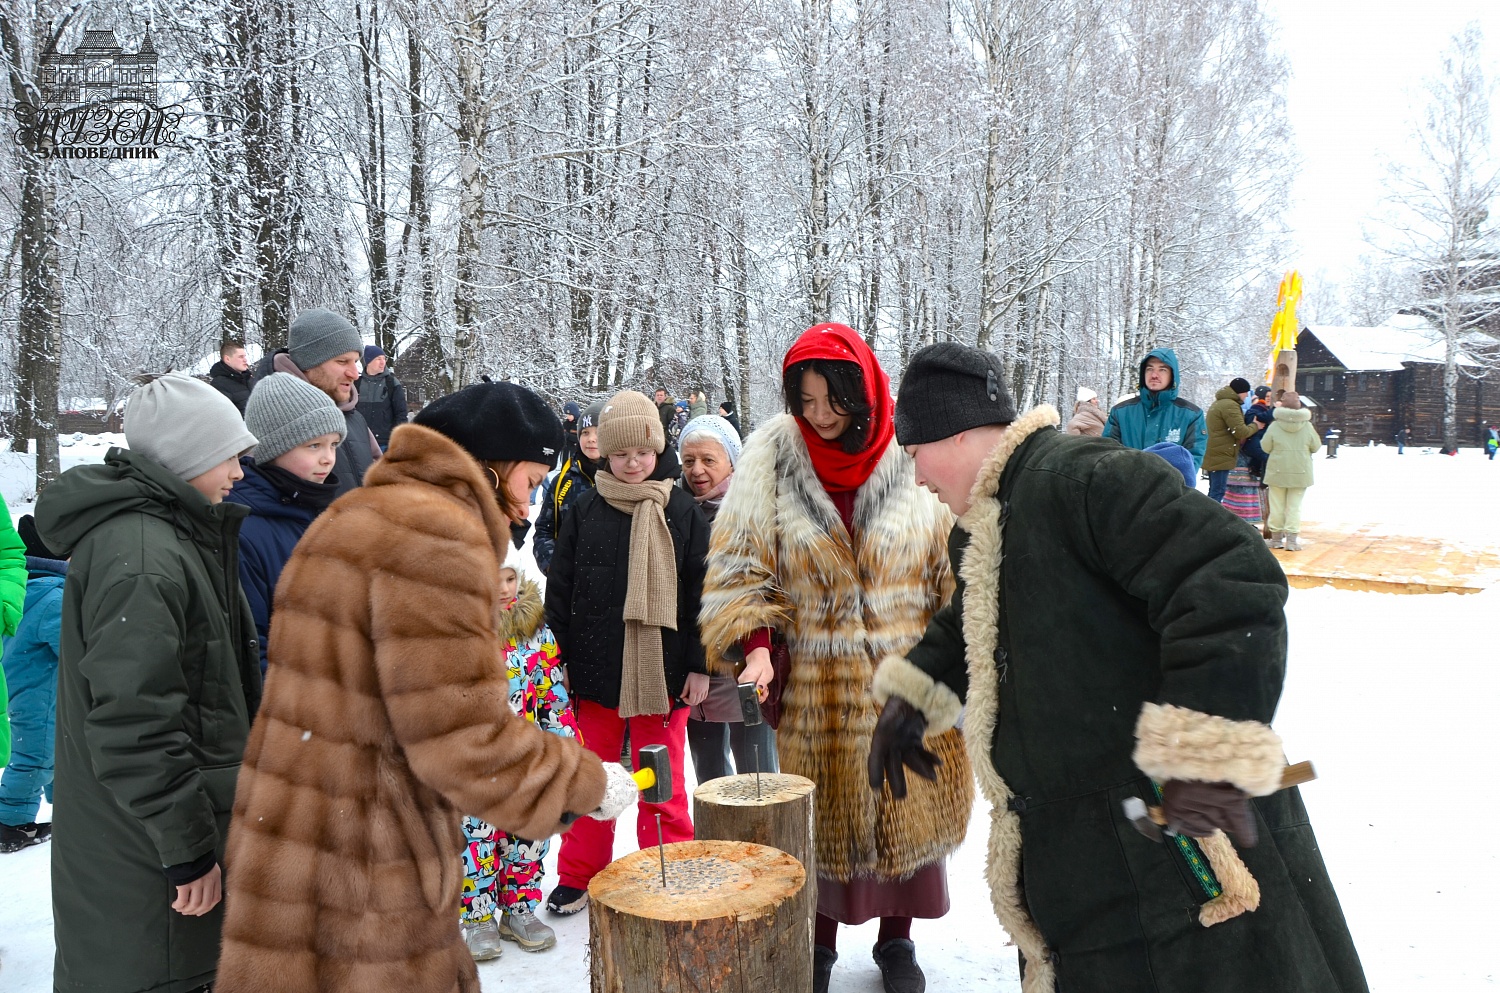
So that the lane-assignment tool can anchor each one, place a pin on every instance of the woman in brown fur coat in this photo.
(825, 539)
(385, 718)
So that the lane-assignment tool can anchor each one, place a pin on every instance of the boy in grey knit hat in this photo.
(190, 429)
(288, 481)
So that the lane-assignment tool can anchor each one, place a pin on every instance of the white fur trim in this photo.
(980, 571)
(1178, 743)
(898, 677)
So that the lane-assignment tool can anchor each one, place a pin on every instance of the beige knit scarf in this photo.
(650, 592)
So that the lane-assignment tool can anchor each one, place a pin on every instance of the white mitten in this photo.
(620, 791)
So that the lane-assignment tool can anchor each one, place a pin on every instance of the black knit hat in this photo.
(35, 547)
(950, 388)
(1240, 385)
(497, 422)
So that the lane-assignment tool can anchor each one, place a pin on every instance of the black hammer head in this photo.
(749, 704)
(659, 790)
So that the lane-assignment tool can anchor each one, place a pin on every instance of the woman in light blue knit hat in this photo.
(289, 480)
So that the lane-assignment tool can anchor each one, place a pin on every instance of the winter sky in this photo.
(1357, 69)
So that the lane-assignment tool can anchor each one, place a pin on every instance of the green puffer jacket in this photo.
(1226, 431)
(158, 679)
(12, 573)
(1132, 630)
(1289, 444)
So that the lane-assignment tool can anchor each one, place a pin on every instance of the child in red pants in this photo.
(622, 599)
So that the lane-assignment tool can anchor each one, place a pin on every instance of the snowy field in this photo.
(1392, 697)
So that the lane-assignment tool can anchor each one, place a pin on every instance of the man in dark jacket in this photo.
(157, 684)
(573, 480)
(382, 398)
(666, 409)
(1157, 414)
(231, 374)
(1113, 636)
(324, 349)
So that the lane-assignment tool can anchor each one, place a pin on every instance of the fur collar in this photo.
(418, 454)
(522, 622)
(987, 484)
(1288, 415)
(980, 571)
(794, 470)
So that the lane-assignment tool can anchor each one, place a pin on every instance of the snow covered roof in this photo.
(1402, 338)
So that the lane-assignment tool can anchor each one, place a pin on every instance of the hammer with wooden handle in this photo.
(1151, 822)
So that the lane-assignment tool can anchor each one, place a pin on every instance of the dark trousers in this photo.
(711, 743)
(1218, 479)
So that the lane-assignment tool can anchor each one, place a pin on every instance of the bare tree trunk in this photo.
(469, 43)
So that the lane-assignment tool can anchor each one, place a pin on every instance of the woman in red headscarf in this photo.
(826, 544)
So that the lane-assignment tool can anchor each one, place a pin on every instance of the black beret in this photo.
(950, 388)
(497, 422)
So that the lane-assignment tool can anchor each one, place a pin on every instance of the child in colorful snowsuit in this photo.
(503, 873)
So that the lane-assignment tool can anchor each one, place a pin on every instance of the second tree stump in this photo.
(729, 919)
(779, 815)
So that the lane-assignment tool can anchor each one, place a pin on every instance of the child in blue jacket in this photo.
(288, 482)
(31, 676)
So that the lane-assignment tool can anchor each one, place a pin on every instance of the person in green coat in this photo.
(1289, 444)
(12, 599)
(158, 679)
(1113, 636)
(1228, 428)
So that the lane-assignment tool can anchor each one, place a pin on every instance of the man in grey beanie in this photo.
(1115, 635)
(323, 348)
(157, 683)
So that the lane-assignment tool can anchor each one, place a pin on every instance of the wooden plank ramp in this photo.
(1369, 559)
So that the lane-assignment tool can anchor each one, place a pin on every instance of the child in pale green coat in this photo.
(1289, 444)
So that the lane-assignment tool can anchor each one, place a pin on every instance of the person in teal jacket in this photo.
(1157, 413)
(30, 668)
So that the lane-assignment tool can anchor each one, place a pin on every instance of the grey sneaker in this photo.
(524, 929)
(483, 940)
(1291, 543)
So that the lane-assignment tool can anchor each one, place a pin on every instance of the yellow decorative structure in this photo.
(1282, 374)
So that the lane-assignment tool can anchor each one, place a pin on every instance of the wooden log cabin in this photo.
(1370, 382)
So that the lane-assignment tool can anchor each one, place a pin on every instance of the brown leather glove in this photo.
(1199, 809)
(896, 744)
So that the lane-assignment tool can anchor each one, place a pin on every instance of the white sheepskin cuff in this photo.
(1178, 743)
(898, 677)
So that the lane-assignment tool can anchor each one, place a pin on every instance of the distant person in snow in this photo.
(382, 398)
(1088, 418)
(1289, 444)
(1115, 636)
(231, 374)
(324, 349)
(727, 411)
(1157, 413)
(1228, 428)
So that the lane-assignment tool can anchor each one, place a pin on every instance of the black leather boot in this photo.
(899, 971)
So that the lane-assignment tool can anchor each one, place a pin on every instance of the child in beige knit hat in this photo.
(623, 593)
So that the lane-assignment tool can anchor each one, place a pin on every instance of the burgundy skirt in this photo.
(923, 894)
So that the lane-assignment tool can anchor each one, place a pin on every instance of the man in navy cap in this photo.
(382, 398)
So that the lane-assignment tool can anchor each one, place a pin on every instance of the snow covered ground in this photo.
(1392, 697)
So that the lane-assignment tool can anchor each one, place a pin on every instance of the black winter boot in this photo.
(13, 839)
(823, 959)
(899, 971)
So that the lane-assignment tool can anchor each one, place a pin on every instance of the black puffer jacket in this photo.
(232, 383)
(573, 480)
(586, 595)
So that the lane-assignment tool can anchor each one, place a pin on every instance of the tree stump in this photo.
(780, 815)
(731, 918)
